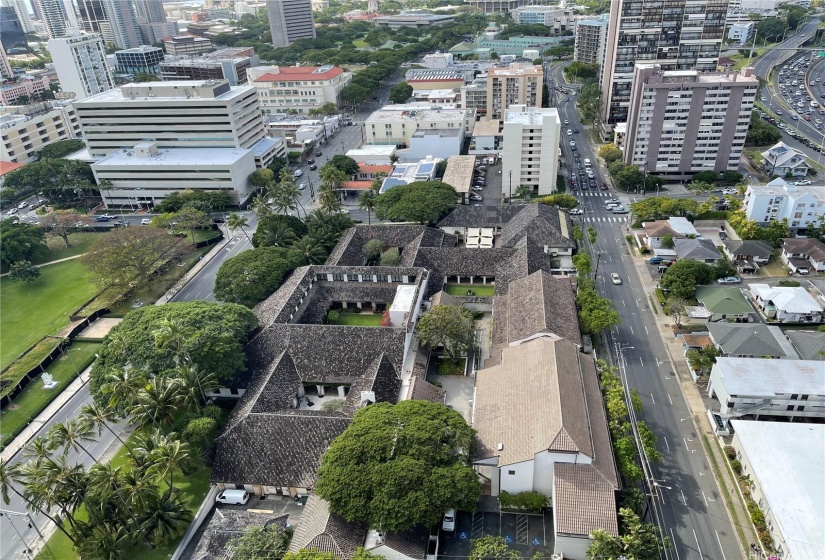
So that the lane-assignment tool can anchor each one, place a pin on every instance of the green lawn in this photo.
(480, 290)
(361, 44)
(34, 398)
(80, 243)
(359, 319)
(28, 309)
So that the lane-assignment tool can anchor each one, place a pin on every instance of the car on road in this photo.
(615, 278)
(575, 131)
(566, 122)
(298, 173)
(801, 183)
(11, 212)
(146, 221)
(101, 219)
(319, 153)
(730, 191)
(576, 212)
(764, 98)
(234, 497)
(620, 210)
(569, 132)
(573, 143)
(310, 161)
(22, 205)
(313, 167)
(302, 186)
(616, 200)
(729, 280)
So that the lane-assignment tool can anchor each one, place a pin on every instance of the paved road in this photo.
(691, 511)
(11, 547)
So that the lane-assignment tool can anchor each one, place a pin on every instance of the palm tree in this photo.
(332, 177)
(366, 201)
(46, 485)
(291, 194)
(173, 333)
(328, 199)
(165, 519)
(121, 385)
(261, 207)
(106, 541)
(145, 445)
(138, 488)
(194, 385)
(158, 403)
(171, 456)
(106, 480)
(8, 477)
(311, 249)
(236, 221)
(100, 417)
(279, 235)
(38, 448)
(72, 434)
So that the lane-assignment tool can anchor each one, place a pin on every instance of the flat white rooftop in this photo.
(781, 187)
(371, 150)
(788, 461)
(531, 116)
(123, 94)
(392, 113)
(188, 157)
(760, 377)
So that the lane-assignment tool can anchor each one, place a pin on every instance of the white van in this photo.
(586, 162)
(235, 497)
(814, 104)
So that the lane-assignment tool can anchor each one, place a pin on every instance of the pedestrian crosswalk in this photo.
(594, 219)
(603, 194)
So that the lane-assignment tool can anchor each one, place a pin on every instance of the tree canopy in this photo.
(596, 313)
(398, 466)
(661, 208)
(202, 200)
(261, 543)
(251, 276)
(639, 541)
(684, 275)
(271, 231)
(561, 200)
(421, 201)
(212, 334)
(447, 326)
(344, 163)
(23, 271)
(57, 177)
(60, 149)
(761, 133)
(610, 153)
(400, 92)
(20, 241)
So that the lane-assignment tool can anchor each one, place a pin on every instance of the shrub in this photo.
(736, 466)
(530, 501)
(789, 283)
(645, 251)
(730, 452)
(333, 316)
(448, 367)
(628, 238)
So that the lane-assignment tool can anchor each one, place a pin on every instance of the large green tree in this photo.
(252, 276)
(278, 230)
(684, 275)
(610, 153)
(24, 271)
(60, 149)
(596, 313)
(400, 92)
(399, 466)
(449, 327)
(261, 543)
(20, 241)
(345, 163)
(661, 208)
(211, 335)
(422, 202)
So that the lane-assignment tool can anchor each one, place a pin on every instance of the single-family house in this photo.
(725, 303)
(674, 228)
(701, 250)
(810, 345)
(804, 255)
(754, 340)
(786, 304)
(780, 159)
(747, 255)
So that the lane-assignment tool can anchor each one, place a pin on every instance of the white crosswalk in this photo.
(603, 194)
(594, 219)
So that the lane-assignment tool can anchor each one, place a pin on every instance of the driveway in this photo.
(527, 534)
(459, 390)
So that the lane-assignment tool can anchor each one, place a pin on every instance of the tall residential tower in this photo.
(290, 20)
(81, 65)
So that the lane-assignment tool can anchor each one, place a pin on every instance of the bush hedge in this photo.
(529, 501)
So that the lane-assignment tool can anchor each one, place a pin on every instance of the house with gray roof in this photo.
(753, 340)
(702, 250)
(810, 345)
(747, 255)
(326, 532)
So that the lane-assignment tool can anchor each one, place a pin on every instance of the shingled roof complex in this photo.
(349, 251)
(324, 531)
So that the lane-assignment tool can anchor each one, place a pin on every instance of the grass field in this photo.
(80, 243)
(28, 309)
(480, 290)
(361, 44)
(34, 398)
(359, 319)
(192, 488)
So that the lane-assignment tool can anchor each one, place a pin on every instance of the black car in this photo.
(319, 153)
(313, 167)
(310, 161)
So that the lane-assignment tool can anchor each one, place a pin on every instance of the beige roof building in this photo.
(517, 84)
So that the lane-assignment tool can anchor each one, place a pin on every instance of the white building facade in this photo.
(779, 200)
(530, 156)
(742, 32)
(297, 89)
(590, 37)
(396, 124)
(22, 137)
(81, 65)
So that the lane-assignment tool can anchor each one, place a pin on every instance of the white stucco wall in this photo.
(517, 478)
(573, 548)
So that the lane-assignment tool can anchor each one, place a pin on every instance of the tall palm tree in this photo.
(366, 201)
(291, 194)
(236, 221)
(332, 177)
(279, 235)
(328, 201)
(38, 448)
(311, 249)
(194, 385)
(8, 477)
(171, 456)
(165, 519)
(72, 434)
(158, 403)
(261, 207)
(138, 488)
(172, 333)
(107, 541)
(282, 203)
(121, 386)
(100, 417)
(145, 445)
(46, 485)
(106, 480)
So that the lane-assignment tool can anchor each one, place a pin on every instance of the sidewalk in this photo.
(51, 262)
(698, 411)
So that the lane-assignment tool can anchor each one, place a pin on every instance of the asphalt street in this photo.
(690, 509)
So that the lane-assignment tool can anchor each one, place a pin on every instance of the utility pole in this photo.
(510, 200)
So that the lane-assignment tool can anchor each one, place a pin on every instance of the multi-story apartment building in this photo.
(517, 84)
(144, 59)
(801, 205)
(474, 95)
(22, 136)
(208, 67)
(81, 65)
(497, 6)
(121, 28)
(681, 122)
(54, 16)
(677, 35)
(25, 85)
(396, 124)
(283, 89)
(557, 18)
(12, 35)
(186, 45)
(290, 20)
(91, 16)
(150, 11)
(530, 157)
(590, 38)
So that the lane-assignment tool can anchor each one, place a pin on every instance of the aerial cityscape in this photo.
(412, 279)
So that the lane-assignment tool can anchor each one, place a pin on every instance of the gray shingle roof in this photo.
(753, 339)
(460, 261)
(541, 224)
(422, 390)
(325, 531)
(810, 246)
(748, 248)
(539, 303)
(412, 543)
(479, 216)
(809, 344)
(349, 251)
(231, 524)
(696, 249)
(584, 501)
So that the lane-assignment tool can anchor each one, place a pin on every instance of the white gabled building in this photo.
(787, 304)
(801, 205)
(530, 156)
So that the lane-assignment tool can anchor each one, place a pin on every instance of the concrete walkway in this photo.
(52, 262)
(735, 506)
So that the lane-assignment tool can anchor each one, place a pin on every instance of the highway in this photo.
(690, 509)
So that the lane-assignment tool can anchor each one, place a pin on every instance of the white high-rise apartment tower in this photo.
(81, 65)
(531, 149)
(676, 35)
(290, 20)
(54, 16)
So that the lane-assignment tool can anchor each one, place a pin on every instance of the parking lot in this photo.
(527, 534)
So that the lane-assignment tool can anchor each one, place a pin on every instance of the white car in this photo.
(569, 132)
(298, 173)
(146, 221)
(615, 278)
(235, 497)
(566, 122)
(448, 524)
(302, 186)
(801, 183)
(573, 143)
(730, 191)
(22, 205)
(576, 212)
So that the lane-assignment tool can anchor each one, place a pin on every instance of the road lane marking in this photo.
(699, 548)
(623, 303)
(666, 444)
(640, 361)
(705, 498)
(671, 400)
(684, 500)
(657, 361)
(631, 330)
(653, 399)
(720, 545)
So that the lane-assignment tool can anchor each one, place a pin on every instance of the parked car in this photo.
(729, 280)
(655, 260)
(235, 497)
(448, 524)
(615, 278)
(801, 183)
(476, 197)
(146, 221)
(101, 219)
(576, 211)
(22, 205)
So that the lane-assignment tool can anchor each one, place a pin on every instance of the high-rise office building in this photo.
(81, 65)
(12, 35)
(122, 24)
(150, 11)
(676, 35)
(510, 85)
(290, 20)
(91, 14)
(53, 13)
(22, 11)
(6, 72)
(682, 122)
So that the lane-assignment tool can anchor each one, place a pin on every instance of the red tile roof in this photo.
(353, 185)
(9, 166)
(301, 74)
(370, 168)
